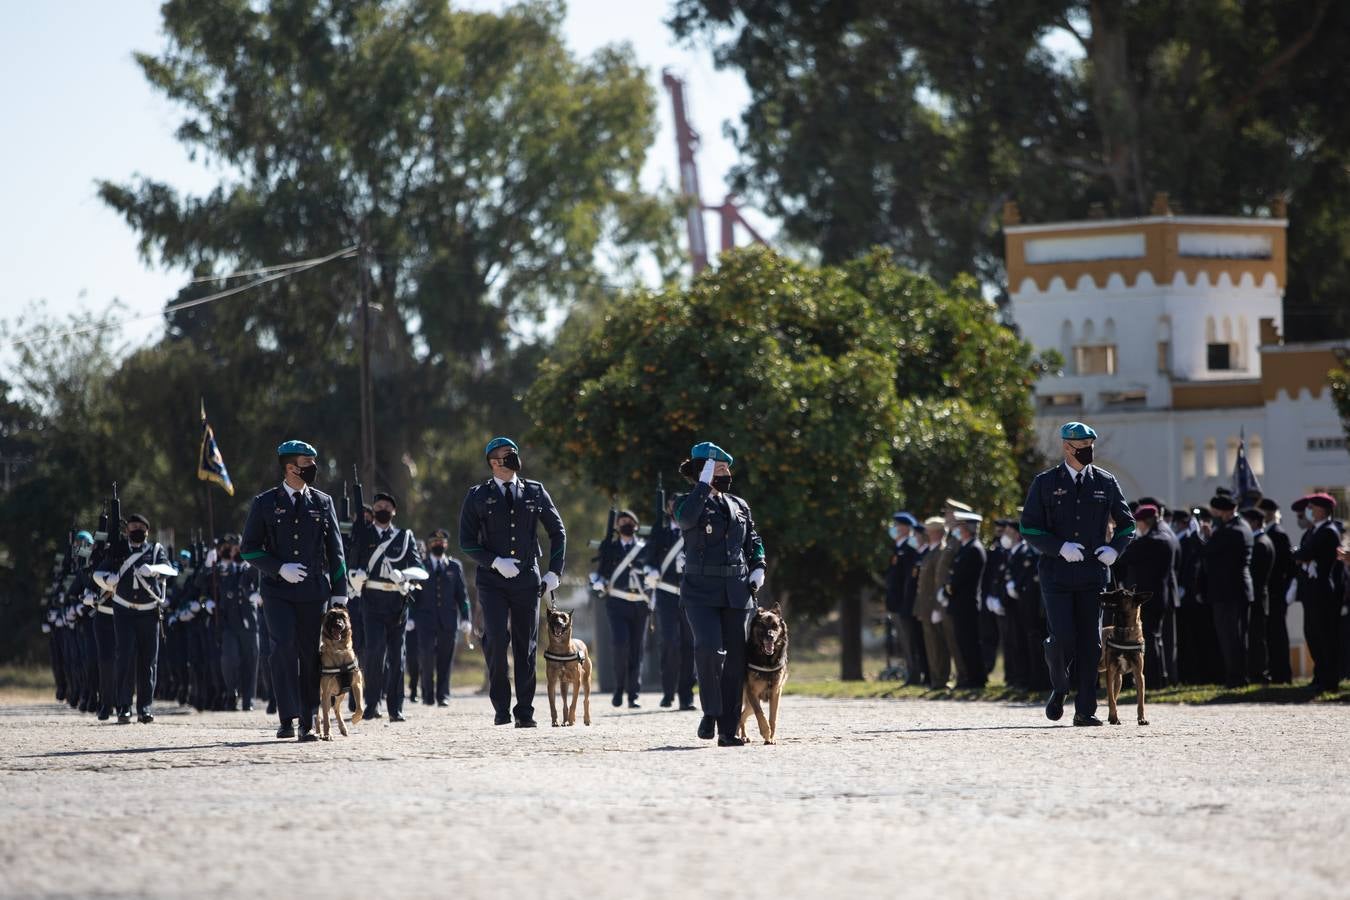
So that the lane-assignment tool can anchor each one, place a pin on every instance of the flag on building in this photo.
(210, 464)
(1246, 487)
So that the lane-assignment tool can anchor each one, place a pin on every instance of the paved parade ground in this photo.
(880, 798)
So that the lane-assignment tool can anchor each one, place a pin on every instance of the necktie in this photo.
(299, 502)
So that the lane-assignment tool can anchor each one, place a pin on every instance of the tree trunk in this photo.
(850, 635)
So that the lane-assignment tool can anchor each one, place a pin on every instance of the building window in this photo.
(1256, 455)
(1230, 458)
(1097, 359)
(1164, 357)
(1220, 357)
(1188, 459)
(1211, 458)
(1060, 401)
(1326, 443)
(1125, 399)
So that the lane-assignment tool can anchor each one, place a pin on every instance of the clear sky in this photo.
(76, 109)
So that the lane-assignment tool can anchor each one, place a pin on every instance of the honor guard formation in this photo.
(222, 624)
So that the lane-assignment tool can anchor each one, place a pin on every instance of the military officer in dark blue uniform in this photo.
(498, 527)
(724, 560)
(617, 579)
(440, 610)
(964, 585)
(1066, 517)
(662, 568)
(138, 579)
(385, 566)
(1023, 590)
(236, 584)
(291, 536)
(1317, 563)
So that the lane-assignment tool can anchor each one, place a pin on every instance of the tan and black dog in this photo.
(1123, 646)
(766, 669)
(568, 664)
(339, 672)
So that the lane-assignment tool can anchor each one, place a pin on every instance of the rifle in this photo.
(100, 539)
(358, 501)
(117, 539)
(345, 519)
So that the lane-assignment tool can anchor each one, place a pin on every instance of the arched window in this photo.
(1066, 345)
(1256, 454)
(1230, 458)
(1165, 353)
(1242, 351)
(1188, 458)
(1211, 458)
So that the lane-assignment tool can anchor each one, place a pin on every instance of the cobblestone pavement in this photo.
(859, 799)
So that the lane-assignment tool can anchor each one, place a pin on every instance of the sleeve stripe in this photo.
(1127, 528)
(1027, 529)
(256, 554)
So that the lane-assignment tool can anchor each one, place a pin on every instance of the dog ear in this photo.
(1143, 596)
(777, 606)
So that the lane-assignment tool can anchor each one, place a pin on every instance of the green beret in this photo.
(500, 442)
(84, 536)
(296, 448)
(1076, 431)
(709, 450)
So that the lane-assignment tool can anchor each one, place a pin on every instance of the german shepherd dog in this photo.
(568, 664)
(1123, 646)
(339, 670)
(766, 669)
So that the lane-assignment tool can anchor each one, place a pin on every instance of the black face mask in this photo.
(437, 550)
(384, 516)
(136, 536)
(627, 529)
(722, 482)
(512, 461)
(308, 473)
(1083, 454)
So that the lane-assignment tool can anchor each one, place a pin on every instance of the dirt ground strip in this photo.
(859, 799)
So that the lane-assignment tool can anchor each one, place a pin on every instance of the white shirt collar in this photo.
(501, 485)
(291, 492)
(1074, 475)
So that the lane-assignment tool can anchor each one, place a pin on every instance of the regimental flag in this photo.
(1246, 488)
(210, 464)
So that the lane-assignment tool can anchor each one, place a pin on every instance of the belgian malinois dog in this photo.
(766, 671)
(568, 664)
(339, 671)
(1123, 646)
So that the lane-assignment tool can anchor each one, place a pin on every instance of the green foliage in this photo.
(838, 389)
(909, 124)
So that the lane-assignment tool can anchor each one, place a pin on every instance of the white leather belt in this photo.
(104, 608)
(139, 607)
(627, 595)
(382, 585)
(668, 587)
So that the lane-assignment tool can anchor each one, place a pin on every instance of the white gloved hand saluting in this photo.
(507, 568)
(706, 476)
(1071, 552)
(294, 572)
(757, 579)
(1107, 554)
(551, 581)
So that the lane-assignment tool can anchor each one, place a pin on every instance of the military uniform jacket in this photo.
(1317, 557)
(721, 549)
(1263, 563)
(236, 582)
(1057, 512)
(1227, 560)
(967, 576)
(899, 572)
(276, 533)
(1150, 564)
(401, 553)
(491, 526)
(444, 597)
(1284, 570)
(1024, 572)
(659, 544)
(995, 571)
(611, 556)
(135, 589)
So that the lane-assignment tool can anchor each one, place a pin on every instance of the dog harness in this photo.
(344, 673)
(574, 656)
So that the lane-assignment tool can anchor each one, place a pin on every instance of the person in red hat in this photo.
(1316, 556)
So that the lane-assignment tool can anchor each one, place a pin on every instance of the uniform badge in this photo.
(707, 529)
(1060, 492)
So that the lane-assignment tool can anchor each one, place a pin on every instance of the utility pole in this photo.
(367, 404)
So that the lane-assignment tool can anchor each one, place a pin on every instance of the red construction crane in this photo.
(686, 143)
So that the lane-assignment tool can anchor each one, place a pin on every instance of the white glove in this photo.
(943, 597)
(255, 598)
(293, 572)
(1345, 610)
(995, 606)
(651, 580)
(550, 581)
(106, 580)
(706, 476)
(338, 601)
(679, 562)
(195, 606)
(1011, 590)
(1292, 594)
(144, 570)
(357, 579)
(211, 557)
(1071, 552)
(597, 583)
(1181, 593)
(507, 568)
(936, 617)
(466, 626)
(46, 629)
(757, 579)
(1107, 554)
(210, 606)
(88, 599)
(411, 625)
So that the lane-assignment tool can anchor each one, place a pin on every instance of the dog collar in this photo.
(574, 656)
(339, 670)
(1131, 648)
(765, 668)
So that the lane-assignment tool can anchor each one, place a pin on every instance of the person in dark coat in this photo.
(1227, 559)
(1023, 590)
(1281, 582)
(1316, 557)
(1149, 564)
(1263, 563)
(900, 578)
(963, 596)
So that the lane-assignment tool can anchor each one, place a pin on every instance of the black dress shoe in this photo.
(373, 714)
(442, 702)
(124, 718)
(667, 702)
(145, 718)
(730, 740)
(104, 715)
(271, 708)
(707, 727)
(687, 707)
(397, 717)
(526, 723)
(502, 720)
(1086, 720)
(287, 730)
(617, 699)
(633, 704)
(306, 736)
(247, 707)
(1054, 707)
